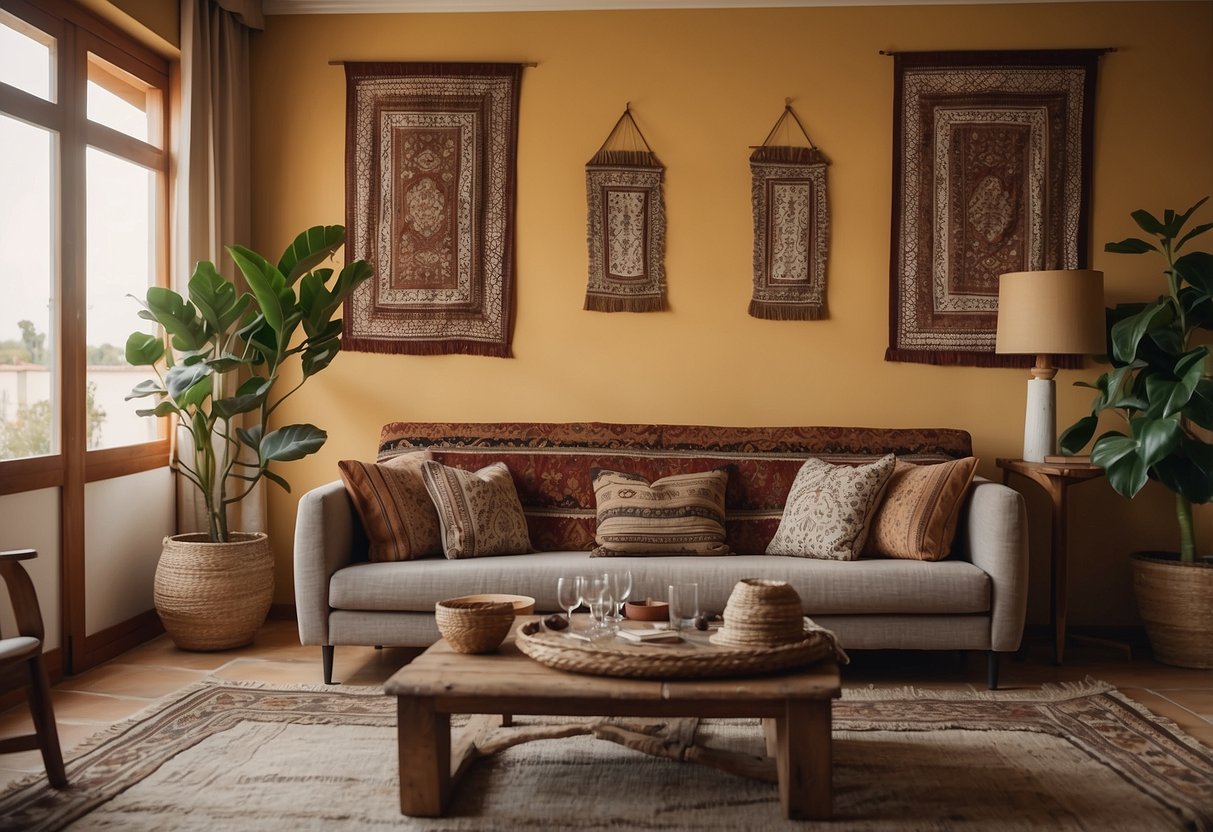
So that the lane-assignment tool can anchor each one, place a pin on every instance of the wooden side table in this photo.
(1055, 479)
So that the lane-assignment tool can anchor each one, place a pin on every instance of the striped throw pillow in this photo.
(395, 509)
(921, 507)
(678, 515)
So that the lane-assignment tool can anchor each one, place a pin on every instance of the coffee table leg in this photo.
(804, 760)
(424, 737)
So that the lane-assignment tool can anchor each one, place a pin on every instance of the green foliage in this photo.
(228, 349)
(1160, 383)
(28, 433)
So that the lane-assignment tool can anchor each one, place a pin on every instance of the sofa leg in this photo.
(992, 670)
(326, 656)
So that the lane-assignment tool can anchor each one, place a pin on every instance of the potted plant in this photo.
(1160, 385)
(218, 378)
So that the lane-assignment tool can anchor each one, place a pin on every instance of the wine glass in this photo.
(602, 605)
(621, 589)
(568, 594)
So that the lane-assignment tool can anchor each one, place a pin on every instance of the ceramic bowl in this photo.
(647, 610)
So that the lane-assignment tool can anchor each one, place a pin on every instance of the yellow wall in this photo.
(704, 86)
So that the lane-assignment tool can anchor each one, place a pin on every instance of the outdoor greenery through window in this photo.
(86, 174)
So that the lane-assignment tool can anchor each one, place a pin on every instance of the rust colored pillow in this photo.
(917, 518)
(396, 511)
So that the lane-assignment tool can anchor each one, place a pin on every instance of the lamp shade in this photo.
(1058, 312)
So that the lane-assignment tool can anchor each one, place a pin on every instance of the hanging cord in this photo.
(626, 117)
(788, 111)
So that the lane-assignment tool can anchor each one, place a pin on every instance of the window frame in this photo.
(77, 34)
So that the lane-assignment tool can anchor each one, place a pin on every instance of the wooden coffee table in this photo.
(795, 707)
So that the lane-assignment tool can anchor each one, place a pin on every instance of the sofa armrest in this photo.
(995, 539)
(324, 542)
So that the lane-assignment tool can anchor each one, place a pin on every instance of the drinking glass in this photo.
(621, 589)
(601, 607)
(568, 594)
(684, 605)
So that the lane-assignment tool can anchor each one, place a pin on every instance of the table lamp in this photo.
(1047, 313)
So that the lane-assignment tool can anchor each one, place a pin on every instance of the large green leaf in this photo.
(251, 437)
(276, 480)
(215, 297)
(1189, 471)
(149, 387)
(267, 283)
(1148, 223)
(180, 379)
(1197, 269)
(197, 394)
(1127, 334)
(1168, 396)
(163, 409)
(1155, 437)
(1200, 405)
(1198, 230)
(1074, 438)
(310, 249)
(1183, 218)
(291, 442)
(1117, 455)
(178, 318)
(143, 350)
(318, 357)
(1130, 245)
(248, 397)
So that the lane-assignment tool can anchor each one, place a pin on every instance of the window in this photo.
(82, 229)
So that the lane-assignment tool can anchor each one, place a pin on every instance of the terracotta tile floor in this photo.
(90, 702)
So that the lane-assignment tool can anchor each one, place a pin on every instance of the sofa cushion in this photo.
(478, 510)
(551, 464)
(877, 586)
(918, 515)
(680, 515)
(396, 511)
(830, 508)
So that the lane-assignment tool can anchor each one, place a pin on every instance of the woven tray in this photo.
(694, 659)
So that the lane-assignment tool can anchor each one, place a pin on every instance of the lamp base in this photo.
(1040, 420)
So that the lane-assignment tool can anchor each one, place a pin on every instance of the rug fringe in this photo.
(774, 311)
(1048, 692)
(605, 303)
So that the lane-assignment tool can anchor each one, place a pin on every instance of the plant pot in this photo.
(1175, 600)
(214, 596)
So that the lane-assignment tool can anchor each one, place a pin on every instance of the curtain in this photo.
(211, 182)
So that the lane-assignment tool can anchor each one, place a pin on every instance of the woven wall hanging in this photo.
(625, 223)
(791, 227)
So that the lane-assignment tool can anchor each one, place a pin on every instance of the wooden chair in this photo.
(26, 648)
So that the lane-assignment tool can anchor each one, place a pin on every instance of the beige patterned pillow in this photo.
(918, 515)
(678, 515)
(395, 509)
(829, 509)
(479, 510)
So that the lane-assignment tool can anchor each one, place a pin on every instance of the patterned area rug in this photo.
(239, 757)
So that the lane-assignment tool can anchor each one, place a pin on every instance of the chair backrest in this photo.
(21, 592)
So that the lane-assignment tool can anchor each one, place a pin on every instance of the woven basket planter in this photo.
(1175, 600)
(214, 596)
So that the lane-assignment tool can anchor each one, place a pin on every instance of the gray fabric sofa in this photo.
(973, 600)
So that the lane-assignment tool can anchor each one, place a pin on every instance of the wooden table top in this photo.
(442, 673)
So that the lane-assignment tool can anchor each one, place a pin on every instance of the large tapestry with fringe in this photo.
(791, 227)
(991, 174)
(430, 192)
(625, 223)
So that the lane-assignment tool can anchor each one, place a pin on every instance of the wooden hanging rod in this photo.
(1103, 49)
(530, 64)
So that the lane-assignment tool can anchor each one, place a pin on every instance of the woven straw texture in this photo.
(214, 596)
(761, 613)
(692, 661)
(1174, 601)
(474, 626)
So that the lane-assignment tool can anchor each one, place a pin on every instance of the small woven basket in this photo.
(761, 613)
(474, 626)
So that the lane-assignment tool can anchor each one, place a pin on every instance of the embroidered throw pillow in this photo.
(917, 517)
(678, 515)
(829, 509)
(395, 509)
(479, 511)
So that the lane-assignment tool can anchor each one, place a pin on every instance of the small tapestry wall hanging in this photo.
(991, 174)
(625, 223)
(430, 190)
(791, 228)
